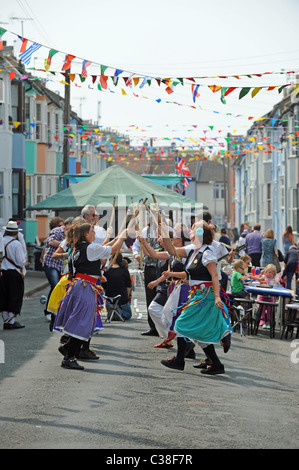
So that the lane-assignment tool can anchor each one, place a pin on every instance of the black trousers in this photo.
(149, 275)
(11, 291)
(255, 259)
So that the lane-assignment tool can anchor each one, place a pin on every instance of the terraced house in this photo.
(32, 132)
(266, 167)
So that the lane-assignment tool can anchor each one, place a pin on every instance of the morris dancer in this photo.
(156, 308)
(204, 318)
(78, 311)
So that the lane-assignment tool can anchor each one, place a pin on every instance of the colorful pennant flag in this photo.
(222, 97)
(195, 93)
(85, 64)
(116, 74)
(215, 88)
(52, 52)
(26, 56)
(67, 63)
(23, 44)
(244, 92)
(255, 91)
(2, 32)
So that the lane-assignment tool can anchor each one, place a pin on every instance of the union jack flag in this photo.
(182, 169)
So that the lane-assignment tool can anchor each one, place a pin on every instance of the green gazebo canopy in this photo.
(114, 182)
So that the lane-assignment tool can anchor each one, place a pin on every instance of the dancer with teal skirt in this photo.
(204, 318)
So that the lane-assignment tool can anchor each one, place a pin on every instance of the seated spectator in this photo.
(268, 276)
(119, 283)
(238, 278)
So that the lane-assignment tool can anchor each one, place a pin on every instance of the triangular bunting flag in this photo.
(215, 88)
(2, 32)
(116, 74)
(67, 63)
(244, 92)
(52, 52)
(195, 93)
(255, 91)
(222, 98)
(103, 81)
(229, 90)
(85, 64)
(23, 44)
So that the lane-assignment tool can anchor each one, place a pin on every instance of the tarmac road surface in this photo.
(128, 400)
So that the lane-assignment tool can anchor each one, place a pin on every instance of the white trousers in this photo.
(156, 311)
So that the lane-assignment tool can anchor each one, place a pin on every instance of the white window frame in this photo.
(218, 191)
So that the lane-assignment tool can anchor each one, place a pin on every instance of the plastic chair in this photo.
(291, 320)
(112, 306)
(271, 313)
(242, 313)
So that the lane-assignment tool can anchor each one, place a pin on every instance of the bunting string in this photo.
(104, 76)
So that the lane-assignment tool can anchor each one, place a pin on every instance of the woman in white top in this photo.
(204, 318)
(12, 277)
(77, 313)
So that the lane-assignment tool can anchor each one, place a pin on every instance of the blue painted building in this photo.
(266, 171)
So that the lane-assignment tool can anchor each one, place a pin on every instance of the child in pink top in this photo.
(267, 276)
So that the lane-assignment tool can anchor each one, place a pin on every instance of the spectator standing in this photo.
(253, 245)
(149, 264)
(12, 277)
(269, 248)
(20, 238)
(53, 267)
(291, 263)
(242, 242)
(91, 216)
(224, 237)
(287, 239)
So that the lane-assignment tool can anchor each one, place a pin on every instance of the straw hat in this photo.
(12, 226)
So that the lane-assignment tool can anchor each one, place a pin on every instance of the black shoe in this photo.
(87, 355)
(173, 364)
(51, 325)
(226, 342)
(213, 370)
(12, 326)
(150, 332)
(189, 351)
(71, 364)
(203, 364)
